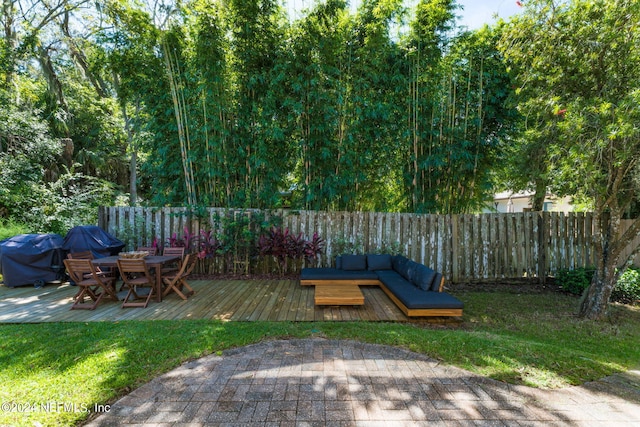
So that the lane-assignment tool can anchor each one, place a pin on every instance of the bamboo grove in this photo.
(388, 108)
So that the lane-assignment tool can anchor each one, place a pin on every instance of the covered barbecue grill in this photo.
(92, 238)
(28, 259)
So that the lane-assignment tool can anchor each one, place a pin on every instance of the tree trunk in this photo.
(133, 162)
(54, 84)
(537, 200)
(595, 301)
(81, 59)
(133, 178)
(10, 37)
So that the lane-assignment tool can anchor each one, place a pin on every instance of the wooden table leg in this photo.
(158, 273)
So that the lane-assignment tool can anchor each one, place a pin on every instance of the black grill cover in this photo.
(92, 238)
(31, 258)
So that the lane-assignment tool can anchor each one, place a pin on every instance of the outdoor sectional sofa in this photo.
(415, 288)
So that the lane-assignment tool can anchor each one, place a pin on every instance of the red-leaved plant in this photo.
(313, 248)
(283, 245)
(209, 245)
(186, 240)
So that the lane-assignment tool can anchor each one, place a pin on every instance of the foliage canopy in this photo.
(577, 69)
(236, 104)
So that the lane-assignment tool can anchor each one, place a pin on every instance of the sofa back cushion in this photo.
(354, 262)
(423, 277)
(339, 262)
(408, 270)
(379, 262)
(398, 261)
(435, 286)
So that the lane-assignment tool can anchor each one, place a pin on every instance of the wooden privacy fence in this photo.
(465, 248)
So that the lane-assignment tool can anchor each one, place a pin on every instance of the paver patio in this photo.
(318, 382)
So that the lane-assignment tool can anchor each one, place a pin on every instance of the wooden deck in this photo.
(230, 300)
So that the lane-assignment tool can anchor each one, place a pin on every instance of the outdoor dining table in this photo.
(153, 262)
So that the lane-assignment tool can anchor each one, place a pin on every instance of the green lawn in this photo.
(525, 339)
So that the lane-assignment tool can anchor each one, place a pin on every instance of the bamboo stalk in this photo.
(181, 115)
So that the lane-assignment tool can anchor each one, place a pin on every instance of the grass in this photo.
(523, 339)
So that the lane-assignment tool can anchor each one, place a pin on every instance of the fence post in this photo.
(543, 240)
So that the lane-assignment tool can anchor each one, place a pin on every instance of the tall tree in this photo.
(317, 66)
(457, 87)
(342, 87)
(471, 123)
(262, 155)
(582, 59)
(426, 44)
(209, 59)
(126, 52)
(375, 93)
(48, 67)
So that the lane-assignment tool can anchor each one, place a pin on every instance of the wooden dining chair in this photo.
(177, 281)
(138, 280)
(89, 255)
(92, 284)
(80, 255)
(153, 251)
(173, 267)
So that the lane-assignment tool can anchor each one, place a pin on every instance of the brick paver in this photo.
(317, 382)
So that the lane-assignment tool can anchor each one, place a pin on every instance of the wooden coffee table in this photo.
(338, 295)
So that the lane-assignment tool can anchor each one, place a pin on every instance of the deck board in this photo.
(232, 300)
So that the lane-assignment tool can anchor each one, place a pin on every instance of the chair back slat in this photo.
(179, 251)
(129, 267)
(80, 255)
(151, 249)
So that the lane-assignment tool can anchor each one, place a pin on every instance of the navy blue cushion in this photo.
(379, 262)
(413, 298)
(431, 300)
(423, 277)
(339, 262)
(393, 281)
(388, 275)
(408, 270)
(398, 262)
(435, 286)
(354, 262)
(335, 274)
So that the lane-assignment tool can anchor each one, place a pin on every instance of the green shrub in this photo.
(576, 280)
(10, 228)
(347, 245)
(627, 289)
